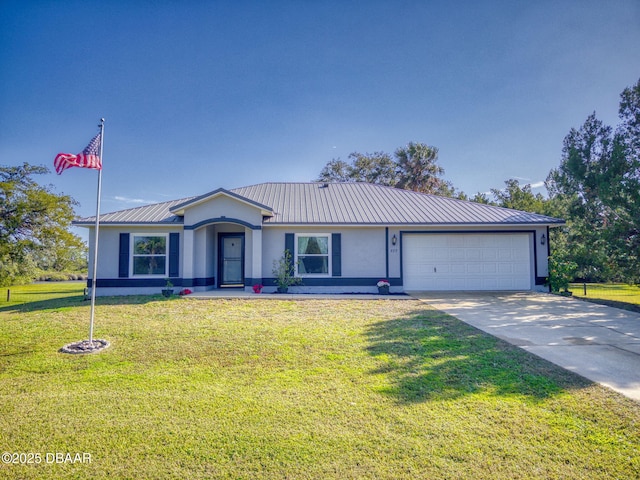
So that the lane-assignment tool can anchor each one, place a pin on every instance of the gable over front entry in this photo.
(343, 238)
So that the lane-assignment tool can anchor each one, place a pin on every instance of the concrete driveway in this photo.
(600, 343)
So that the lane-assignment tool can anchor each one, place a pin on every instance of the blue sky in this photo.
(205, 94)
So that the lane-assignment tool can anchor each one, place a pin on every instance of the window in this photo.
(149, 255)
(312, 254)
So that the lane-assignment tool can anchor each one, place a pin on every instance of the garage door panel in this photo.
(490, 254)
(471, 269)
(520, 268)
(458, 269)
(520, 256)
(505, 268)
(452, 242)
(473, 254)
(489, 268)
(467, 261)
(490, 284)
(456, 254)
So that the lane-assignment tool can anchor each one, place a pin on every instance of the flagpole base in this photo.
(84, 346)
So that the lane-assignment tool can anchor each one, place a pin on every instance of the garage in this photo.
(466, 261)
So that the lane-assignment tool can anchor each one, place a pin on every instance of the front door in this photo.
(231, 260)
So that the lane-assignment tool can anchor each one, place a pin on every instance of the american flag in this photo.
(89, 158)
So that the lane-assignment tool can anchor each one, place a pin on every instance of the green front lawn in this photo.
(40, 292)
(614, 294)
(313, 389)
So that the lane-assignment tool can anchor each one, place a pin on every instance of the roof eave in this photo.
(89, 224)
(127, 224)
(414, 224)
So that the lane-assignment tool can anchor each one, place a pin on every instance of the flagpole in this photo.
(95, 245)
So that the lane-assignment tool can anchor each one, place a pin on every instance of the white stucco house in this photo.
(344, 237)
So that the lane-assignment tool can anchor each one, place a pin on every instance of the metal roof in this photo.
(157, 213)
(341, 203)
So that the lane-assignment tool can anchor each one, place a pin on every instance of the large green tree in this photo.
(519, 197)
(34, 226)
(377, 167)
(625, 234)
(413, 167)
(598, 181)
(418, 170)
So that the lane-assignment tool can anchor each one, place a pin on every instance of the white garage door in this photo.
(479, 261)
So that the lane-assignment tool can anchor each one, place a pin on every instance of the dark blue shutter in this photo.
(123, 262)
(336, 255)
(289, 244)
(174, 254)
(289, 240)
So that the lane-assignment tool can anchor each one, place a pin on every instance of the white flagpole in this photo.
(95, 246)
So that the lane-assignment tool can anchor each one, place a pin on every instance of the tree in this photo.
(598, 181)
(419, 171)
(519, 198)
(34, 224)
(413, 168)
(377, 167)
(479, 198)
(580, 183)
(625, 231)
(335, 170)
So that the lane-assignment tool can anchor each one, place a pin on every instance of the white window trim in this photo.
(132, 255)
(295, 256)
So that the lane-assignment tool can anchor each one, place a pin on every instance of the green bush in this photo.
(561, 273)
(60, 276)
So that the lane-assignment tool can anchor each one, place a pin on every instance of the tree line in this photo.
(34, 228)
(596, 189)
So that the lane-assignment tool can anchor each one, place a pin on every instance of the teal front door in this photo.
(231, 260)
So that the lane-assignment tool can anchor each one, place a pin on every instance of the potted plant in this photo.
(383, 287)
(284, 271)
(257, 288)
(167, 291)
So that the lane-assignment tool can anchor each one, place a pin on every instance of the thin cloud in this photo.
(136, 201)
(526, 181)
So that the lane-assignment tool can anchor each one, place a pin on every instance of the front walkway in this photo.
(600, 343)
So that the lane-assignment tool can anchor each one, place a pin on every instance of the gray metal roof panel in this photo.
(361, 203)
(157, 213)
(341, 203)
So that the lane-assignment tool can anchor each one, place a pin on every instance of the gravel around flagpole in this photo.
(85, 346)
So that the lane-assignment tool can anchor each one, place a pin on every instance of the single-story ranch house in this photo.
(344, 237)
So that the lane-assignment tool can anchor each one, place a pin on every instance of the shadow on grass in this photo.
(429, 355)
(80, 301)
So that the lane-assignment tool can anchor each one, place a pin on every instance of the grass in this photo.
(613, 294)
(296, 389)
(39, 292)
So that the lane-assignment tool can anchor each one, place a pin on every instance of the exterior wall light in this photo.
(394, 239)
(543, 239)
